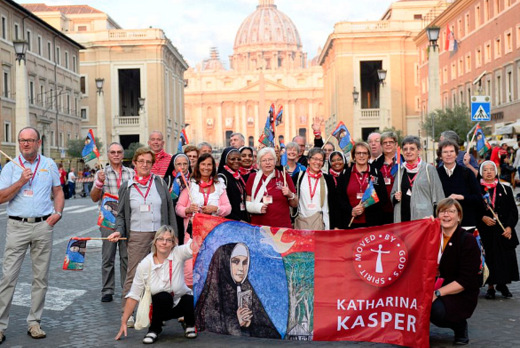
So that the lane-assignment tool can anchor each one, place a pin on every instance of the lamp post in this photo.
(22, 97)
(355, 95)
(381, 75)
(434, 90)
(101, 118)
(383, 120)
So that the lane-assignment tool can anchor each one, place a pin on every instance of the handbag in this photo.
(313, 222)
(144, 310)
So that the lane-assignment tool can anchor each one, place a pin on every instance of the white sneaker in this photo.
(131, 322)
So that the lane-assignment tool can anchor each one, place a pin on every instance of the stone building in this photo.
(486, 59)
(351, 58)
(43, 92)
(267, 66)
(142, 72)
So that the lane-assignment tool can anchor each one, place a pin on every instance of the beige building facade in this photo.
(267, 66)
(142, 72)
(52, 82)
(487, 59)
(351, 58)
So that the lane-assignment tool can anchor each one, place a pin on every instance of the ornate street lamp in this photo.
(20, 48)
(355, 95)
(433, 35)
(99, 84)
(141, 103)
(381, 74)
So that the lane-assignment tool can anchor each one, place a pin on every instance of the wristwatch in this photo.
(58, 212)
(437, 293)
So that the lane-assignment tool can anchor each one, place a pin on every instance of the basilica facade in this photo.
(268, 66)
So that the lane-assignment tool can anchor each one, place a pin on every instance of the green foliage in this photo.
(75, 146)
(457, 119)
(129, 153)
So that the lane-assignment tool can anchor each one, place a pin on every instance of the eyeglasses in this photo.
(234, 159)
(143, 163)
(448, 211)
(267, 160)
(361, 153)
(27, 141)
(167, 240)
(116, 152)
(315, 159)
(388, 142)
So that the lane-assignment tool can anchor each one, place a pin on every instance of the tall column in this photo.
(220, 136)
(292, 110)
(434, 89)
(244, 119)
(22, 99)
(256, 134)
(101, 124)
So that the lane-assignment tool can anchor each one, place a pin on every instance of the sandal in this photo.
(190, 332)
(150, 338)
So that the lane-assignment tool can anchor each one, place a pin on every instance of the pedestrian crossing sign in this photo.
(480, 108)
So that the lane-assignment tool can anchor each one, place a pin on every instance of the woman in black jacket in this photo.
(229, 172)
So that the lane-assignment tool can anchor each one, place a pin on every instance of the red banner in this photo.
(376, 284)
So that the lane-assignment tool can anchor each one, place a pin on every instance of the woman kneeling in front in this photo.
(455, 300)
(163, 271)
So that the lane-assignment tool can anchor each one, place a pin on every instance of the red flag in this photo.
(387, 276)
(398, 155)
(447, 40)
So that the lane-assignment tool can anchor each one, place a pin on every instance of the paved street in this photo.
(75, 317)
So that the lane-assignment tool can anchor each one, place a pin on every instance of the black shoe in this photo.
(504, 290)
(490, 295)
(107, 298)
(461, 335)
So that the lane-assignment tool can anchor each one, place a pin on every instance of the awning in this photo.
(509, 129)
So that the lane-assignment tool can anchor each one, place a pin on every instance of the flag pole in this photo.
(94, 238)
(330, 135)
(495, 215)
(284, 178)
(10, 159)
(472, 138)
(187, 186)
(399, 171)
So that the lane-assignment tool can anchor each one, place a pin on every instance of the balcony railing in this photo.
(126, 120)
(370, 114)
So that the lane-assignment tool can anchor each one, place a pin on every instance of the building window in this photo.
(478, 17)
(461, 66)
(82, 28)
(497, 7)
(468, 63)
(498, 48)
(487, 52)
(7, 132)
(478, 57)
(61, 140)
(74, 62)
(453, 71)
(498, 90)
(6, 84)
(487, 10)
(42, 94)
(460, 32)
(83, 85)
(29, 40)
(508, 41)
(53, 139)
(16, 29)
(39, 45)
(51, 98)
(49, 50)
(58, 56)
(466, 23)
(445, 75)
(75, 111)
(68, 103)
(31, 92)
(509, 86)
(84, 114)
(4, 28)
(66, 60)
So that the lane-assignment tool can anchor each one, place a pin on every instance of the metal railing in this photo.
(126, 120)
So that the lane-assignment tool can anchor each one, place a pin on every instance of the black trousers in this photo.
(438, 318)
(163, 310)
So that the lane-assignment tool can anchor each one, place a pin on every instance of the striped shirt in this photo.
(162, 161)
(111, 177)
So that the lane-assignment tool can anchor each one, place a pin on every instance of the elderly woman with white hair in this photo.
(498, 232)
(269, 193)
(293, 167)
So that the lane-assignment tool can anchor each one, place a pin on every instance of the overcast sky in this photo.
(194, 26)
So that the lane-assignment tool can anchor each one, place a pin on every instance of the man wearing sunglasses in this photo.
(109, 180)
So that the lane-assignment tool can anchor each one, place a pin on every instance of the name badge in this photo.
(28, 193)
(388, 181)
(267, 199)
(242, 206)
(359, 195)
(409, 192)
(145, 208)
(311, 206)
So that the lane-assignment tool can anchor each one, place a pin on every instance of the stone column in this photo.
(22, 99)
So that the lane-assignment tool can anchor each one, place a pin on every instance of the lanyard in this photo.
(206, 194)
(494, 197)
(411, 180)
(312, 190)
(118, 180)
(147, 191)
(386, 169)
(35, 169)
(363, 181)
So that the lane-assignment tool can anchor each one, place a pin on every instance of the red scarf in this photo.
(245, 171)
(412, 167)
(489, 185)
(236, 174)
(204, 185)
(334, 173)
(143, 181)
(314, 176)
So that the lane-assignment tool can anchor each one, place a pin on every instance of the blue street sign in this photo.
(480, 108)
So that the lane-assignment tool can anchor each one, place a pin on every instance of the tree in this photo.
(75, 146)
(398, 132)
(129, 153)
(457, 119)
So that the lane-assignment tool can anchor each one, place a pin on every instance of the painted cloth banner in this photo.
(299, 285)
(108, 211)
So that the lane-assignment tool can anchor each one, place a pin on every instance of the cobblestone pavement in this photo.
(75, 317)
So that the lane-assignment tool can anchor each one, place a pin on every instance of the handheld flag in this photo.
(369, 196)
(176, 187)
(108, 211)
(397, 162)
(183, 140)
(283, 150)
(342, 134)
(90, 151)
(267, 137)
(279, 116)
(75, 254)
(482, 145)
